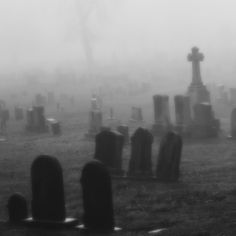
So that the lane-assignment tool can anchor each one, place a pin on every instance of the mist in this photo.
(143, 40)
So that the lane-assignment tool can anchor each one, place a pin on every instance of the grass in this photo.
(203, 202)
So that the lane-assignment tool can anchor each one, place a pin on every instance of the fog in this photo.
(143, 40)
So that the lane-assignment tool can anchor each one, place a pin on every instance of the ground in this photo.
(203, 202)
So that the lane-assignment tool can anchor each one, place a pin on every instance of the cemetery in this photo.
(166, 170)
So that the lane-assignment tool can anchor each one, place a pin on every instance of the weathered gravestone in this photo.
(17, 208)
(36, 121)
(136, 114)
(54, 125)
(97, 198)
(124, 130)
(169, 156)
(95, 123)
(161, 114)
(204, 124)
(140, 164)
(19, 113)
(182, 114)
(48, 202)
(108, 150)
(233, 123)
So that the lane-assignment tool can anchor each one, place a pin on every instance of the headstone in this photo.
(140, 163)
(17, 208)
(97, 198)
(124, 130)
(95, 123)
(55, 126)
(108, 150)
(197, 91)
(233, 123)
(161, 114)
(19, 113)
(169, 157)
(4, 116)
(204, 124)
(136, 114)
(182, 113)
(48, 203)
(36, 120)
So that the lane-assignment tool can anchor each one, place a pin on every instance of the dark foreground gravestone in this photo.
(140, 164)
(48, 203)
(17, 208)
(108, 150)
(169, 156)
(97, 198)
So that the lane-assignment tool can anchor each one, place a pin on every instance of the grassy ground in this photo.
(203, 202)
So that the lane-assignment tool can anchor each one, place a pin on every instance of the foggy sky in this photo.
(153, 33)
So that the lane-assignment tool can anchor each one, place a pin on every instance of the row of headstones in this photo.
(109, 147)
(48, 200)
(5, 114)
(202, 123)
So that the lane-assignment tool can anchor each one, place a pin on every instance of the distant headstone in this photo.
(204, 124)
(55, 126)
(36, 120)
(95, 123)
(17, 208)
(182, 113)
(161, 114)
(140, 163)
(124, 130)
(97, 198)
(233, 123)
(48, 203)
(169, 157)
(136, 114)
(108, 150)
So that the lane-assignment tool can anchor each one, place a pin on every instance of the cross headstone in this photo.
(197, 92)
(97, 198)
(169, 157)
(108, 150)
(48, 203)
(140, 163)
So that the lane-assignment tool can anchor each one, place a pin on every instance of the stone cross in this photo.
(195, 57)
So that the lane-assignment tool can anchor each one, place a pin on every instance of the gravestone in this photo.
(19, 113)
(17, 208)
(169, 156)
(233, 123)
(161, 114)
(108, 150)
(197, 91)
(136, 114)
(124, 130)
(97, 198)
(55, 126)
(204, 124)
(182, 114)
(36, 121)
(95, 123)
(140, 164)
(48, 203)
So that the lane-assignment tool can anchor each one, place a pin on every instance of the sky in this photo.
(154, 33)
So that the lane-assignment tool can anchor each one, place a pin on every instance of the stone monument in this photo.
(197, 91)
